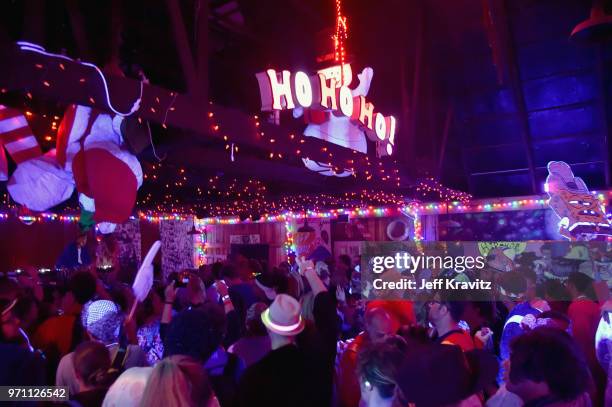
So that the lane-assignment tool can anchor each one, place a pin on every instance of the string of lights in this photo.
(429, 186)
(200, 246)
(372, 170)
(341, 35)
(251, 199)
(395, 203)
(413, 210)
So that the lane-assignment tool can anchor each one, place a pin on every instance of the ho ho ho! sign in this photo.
(327, 91)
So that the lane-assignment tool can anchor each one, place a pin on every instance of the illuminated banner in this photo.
(328, 91)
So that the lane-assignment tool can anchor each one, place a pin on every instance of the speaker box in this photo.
(343, 218)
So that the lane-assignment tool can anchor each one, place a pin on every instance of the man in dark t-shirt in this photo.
(299, 369)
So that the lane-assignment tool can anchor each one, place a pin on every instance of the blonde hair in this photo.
(177, 381)
(128, 389)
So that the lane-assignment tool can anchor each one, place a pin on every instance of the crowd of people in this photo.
(241, 333)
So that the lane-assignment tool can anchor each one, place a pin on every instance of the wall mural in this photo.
(313, 239)
(550, 260)
(356, 229)
(177, 245)
(492, 226)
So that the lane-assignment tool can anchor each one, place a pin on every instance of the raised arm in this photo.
(169, 297)
(307, 270)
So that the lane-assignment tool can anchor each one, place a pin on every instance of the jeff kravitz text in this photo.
(432, 285)
(406, 263)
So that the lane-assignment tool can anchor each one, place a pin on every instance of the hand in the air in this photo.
(221, 288)
(340, 294)
(170, 293)
(304, 264)
(483, 335)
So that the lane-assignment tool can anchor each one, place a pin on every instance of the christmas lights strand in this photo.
(412, 209)
(28, 46)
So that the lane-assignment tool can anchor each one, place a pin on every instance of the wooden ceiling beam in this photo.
(248, 166)
(70, 82)
(183, 47)
(503, 26)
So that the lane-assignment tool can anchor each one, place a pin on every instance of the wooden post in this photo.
(71, 82)
(34, 24)
(500, 19)
(182, 46)
(202, 12)
(115, 30)
(604, 104)
(416, 80)
(447, 123)
(78, 29)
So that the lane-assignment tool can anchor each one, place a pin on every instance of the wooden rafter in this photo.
(499, 14)
(265, 170)
(201, 30)
(604, 104)
(77, 23)
(34, 27)
(70, 82)
(182, 46)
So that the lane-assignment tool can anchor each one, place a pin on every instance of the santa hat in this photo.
(89, 153)
(3, 165)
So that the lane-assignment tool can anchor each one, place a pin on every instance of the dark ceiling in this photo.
(486, 92)
(524, 93)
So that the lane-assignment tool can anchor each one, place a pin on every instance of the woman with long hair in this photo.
(178, 381)
(92, 367)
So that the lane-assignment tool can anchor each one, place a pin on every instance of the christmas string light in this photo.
(430, 185)
(340, 37)
(165, 105)
(200, 243)
(259, 204)
(379, 173)
(42, 217)
(160, 218)
(250, 199)
(28, 46)
(413, 209)
(411, 212)
(486, 206)
(289, 242)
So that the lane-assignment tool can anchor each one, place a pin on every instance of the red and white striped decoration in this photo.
(16, 137)
(3, 165)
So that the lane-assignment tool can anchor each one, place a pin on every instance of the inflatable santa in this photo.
(90, 155)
